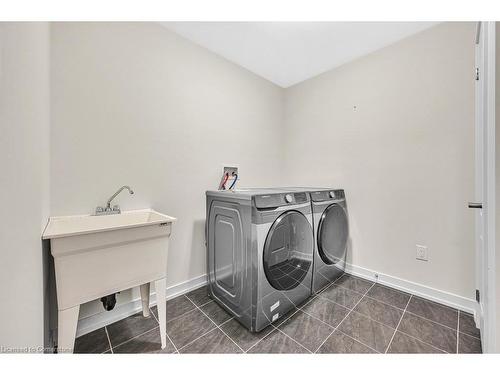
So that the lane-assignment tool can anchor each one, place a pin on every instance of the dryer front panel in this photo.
(333, 232)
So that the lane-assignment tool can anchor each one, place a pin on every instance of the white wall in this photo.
(24, 180)
(395, 129)
(133, 103)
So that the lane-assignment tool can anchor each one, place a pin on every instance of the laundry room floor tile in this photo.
(371, 333)
(368, 318)
(306, 330)
(278, 342)
(468, 344)
(345, 297)
(188, 327)
(215, 312)
(176, 307)
(435, 334)
(149, 342)
(467, 325)
(242, 336)
(390, 296)
(130, 327)
(379, 311)
(215, 342)
(342, 344)
(354, 283)
(94, 342)
(433, 311)
(199, 296)
(326, 311)
(404, 344)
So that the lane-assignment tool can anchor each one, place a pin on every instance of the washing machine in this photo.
(331, 235)
(260, 248)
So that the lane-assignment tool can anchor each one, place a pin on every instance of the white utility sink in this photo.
(95, 256)
(64, 226)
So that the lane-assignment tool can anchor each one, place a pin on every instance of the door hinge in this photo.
(477, 74)
(478, 296)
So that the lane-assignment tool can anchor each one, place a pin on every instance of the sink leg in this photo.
(145, 299)
(161, 298)
(66, 329)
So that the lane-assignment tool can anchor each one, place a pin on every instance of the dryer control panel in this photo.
(327, 195)
(281, 199)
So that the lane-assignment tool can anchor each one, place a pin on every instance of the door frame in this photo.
(485, 102)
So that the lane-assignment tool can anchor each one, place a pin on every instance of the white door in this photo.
(484, 181)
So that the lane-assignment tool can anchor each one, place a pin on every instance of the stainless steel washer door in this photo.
(288, 250)
(332, 234)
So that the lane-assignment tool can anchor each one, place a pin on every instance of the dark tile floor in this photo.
(352, 315)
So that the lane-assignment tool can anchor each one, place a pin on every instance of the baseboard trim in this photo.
(99, 320)
(436, 295)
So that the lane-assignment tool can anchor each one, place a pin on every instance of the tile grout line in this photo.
(396, 329)
(276, 327)
(169, 339)
(109, 340)
(385, 303)
(366, 316)
(139, 335)
(409, 312)
(344, 307)
(291, 338)
(349, 313)
(263, 337)
(338, 304)
(216, 325)
(338, 325)
(429, 320)
(199, 337)
(357, 312)
(407, 334)
(143, 333)
(335, 327)
(458, 327)
(423, 342)
(471, 336)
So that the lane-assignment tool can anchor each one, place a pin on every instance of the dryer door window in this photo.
(288, 250)
(332, 234)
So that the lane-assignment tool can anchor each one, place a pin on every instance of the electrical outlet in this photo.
(421, 253)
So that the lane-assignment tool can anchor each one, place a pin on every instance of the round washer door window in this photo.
(332, 234)
(288, 250)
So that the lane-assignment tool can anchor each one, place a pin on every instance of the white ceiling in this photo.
(290, 52)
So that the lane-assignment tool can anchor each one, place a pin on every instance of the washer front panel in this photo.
(287, 250)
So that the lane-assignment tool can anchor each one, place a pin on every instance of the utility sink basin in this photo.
(95, 256)
(64, 226)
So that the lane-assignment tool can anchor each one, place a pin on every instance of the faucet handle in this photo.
(99, 210)
(116, 208)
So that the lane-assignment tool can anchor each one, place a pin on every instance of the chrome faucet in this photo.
(116, 209)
